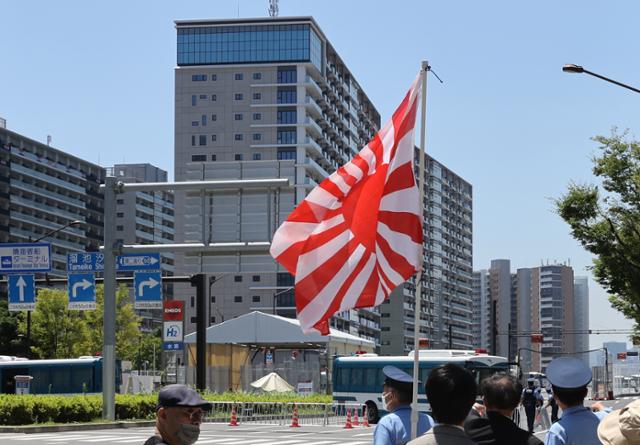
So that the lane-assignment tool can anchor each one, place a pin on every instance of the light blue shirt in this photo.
(578, 426)
(395, 428)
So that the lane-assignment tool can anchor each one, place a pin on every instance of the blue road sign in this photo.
(82, 291)
(148, 290)
(22, 292)
(138, 261)
(173, 346)
(85, 262)
(25, 257)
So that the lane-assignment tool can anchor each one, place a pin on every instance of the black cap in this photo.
(181, 395)
(397, 379)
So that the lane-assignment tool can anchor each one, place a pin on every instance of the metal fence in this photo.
(282, 414)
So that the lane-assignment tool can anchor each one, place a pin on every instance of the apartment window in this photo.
(213, 158)
(239, 96)
(193, 140)
(257, 136)
(198, 158)
(119, 228)
(238, 116)
(203, 139)
(214, 137)
(203, 120)
(257, 76)
(237, 299)
(203, 96)
(238, 157)
(193, 320)
(193, 301)
(119, 201)
(257, 96)
(237, 136)
(255, 278)
(214, 97)
(255, 299)
(257, 116)
(194, 100)
(237, 278)
(257, 156)
(284, 155)
(214, 77)
(286, 96)
(239, 76)
(120, 215)
(286, 116)
(213, 298)
(286, 136)
(195, 123)
(198, 77)
(213, 319)
(287, 75)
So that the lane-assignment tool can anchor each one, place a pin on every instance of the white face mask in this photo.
(384, 401)
(188, 434)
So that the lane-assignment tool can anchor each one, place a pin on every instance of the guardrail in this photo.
(278, 413)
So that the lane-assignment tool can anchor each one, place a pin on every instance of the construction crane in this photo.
(273, 8)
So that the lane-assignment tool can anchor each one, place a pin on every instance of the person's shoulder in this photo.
(533, 440)
(155, 440)
(480, 430)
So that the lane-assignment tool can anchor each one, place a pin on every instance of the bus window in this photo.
(357, 378)
(371, 378)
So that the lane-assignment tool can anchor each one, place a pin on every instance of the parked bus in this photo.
(63, 376)
(359, 379)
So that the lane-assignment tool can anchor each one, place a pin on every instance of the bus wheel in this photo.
(372, 412)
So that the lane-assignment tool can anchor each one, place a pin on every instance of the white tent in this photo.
(272, 382)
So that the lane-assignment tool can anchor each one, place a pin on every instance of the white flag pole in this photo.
(418, 295)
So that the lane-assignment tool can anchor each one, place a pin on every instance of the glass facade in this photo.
(211, 45)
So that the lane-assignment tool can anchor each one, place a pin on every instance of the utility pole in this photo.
(200, 282)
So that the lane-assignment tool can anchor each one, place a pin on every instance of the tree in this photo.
(10, 342)
(56, 332)
(127, 325)
(149, 348)
(607, 222)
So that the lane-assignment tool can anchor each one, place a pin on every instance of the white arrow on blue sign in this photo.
(94, 262)
(22, 292)
(138, 261)
(148, 290)
(82, 291)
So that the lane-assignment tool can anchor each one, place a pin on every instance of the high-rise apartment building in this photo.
(447, 295)
(581, 315)
(43, 189)
(482, 310)
(259, 98)
(146, 217)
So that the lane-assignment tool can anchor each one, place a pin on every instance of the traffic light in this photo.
(423, 343)
(537, 338)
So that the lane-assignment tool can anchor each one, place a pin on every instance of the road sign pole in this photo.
(199, 281)
(109, 321)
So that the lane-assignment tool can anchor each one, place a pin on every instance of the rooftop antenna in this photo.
(273, 8)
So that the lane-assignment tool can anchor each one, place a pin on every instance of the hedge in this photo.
(29, 409)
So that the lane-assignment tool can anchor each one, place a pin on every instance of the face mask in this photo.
(384, 401)
(188, 434)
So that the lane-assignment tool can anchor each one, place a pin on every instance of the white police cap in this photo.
(568, 372)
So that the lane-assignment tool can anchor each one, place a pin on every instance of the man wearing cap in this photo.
(179, 414)
(621, 427)
(397, 394)
(569, 378)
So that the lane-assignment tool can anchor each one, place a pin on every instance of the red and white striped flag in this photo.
(358, 234)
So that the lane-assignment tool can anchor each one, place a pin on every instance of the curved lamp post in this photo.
(571, 68)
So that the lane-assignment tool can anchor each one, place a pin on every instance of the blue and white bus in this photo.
(359, 379)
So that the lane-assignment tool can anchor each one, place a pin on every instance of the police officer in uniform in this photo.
(569, 378)
(397, 393)
(531, 399)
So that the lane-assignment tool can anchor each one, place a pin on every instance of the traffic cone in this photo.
(294, 417)
(348, 425)
(234, 417)
(365, 417)
(356, 422)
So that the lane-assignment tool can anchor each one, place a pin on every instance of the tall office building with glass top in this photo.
(259, 98)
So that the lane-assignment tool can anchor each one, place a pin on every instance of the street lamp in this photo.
(571, 68)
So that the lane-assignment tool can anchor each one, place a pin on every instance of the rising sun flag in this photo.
(358, 234)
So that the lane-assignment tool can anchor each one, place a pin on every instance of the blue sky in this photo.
(98, 77)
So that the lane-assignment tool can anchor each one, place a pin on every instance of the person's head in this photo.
(621, 427)
(179, 414)
(451, 392)
(501, 393)
(397, 388)
(567, 397)
(569, 378)
(530, 383)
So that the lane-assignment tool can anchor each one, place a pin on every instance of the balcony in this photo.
(311, 143)
(314, 167)
(313, 106)
(311, 84)
(313, 126)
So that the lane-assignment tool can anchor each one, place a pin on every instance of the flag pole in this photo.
(418, 295)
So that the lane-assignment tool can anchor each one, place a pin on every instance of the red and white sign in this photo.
(173, 310)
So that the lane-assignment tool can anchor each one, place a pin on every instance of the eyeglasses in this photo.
(195, 415)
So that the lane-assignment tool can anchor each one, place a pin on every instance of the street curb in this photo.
(30, 429)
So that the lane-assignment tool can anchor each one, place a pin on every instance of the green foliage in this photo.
(145, 352)
(605, 219)
(10, 343)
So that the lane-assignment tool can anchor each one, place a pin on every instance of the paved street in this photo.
(213, 434)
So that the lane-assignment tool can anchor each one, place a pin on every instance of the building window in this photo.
(193, 301)
(257, 76)
(214, 77)
(193, 141)
(257, 136)
(238, 116)
(198, 158)
(287, 75)
(213, 319)
(213, 158)
(237, 299)
(203, 139)
(286, 117)
(203, 96)
(214, 137)
(214, 117)
(255, 299)
(239, 76)
(286, 96)
(257, 116)
(193, 320)
(204, 120)
(120, 215)
(255, 278)
(286, 154)
(257, 96)
(237, 136)
(239, 96)
(194, 100)
(195, 123)
(198, 77)
(237, 278)
(257, 156)
(214, 97)
(238, 157)
(119, 201)
(119, 228)
(286, 136)
(213, 298)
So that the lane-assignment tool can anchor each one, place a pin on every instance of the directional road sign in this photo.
(148, 290)
(85, 262)
(25, 257)
(82, 291)
(138, 261)
(22, 292)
